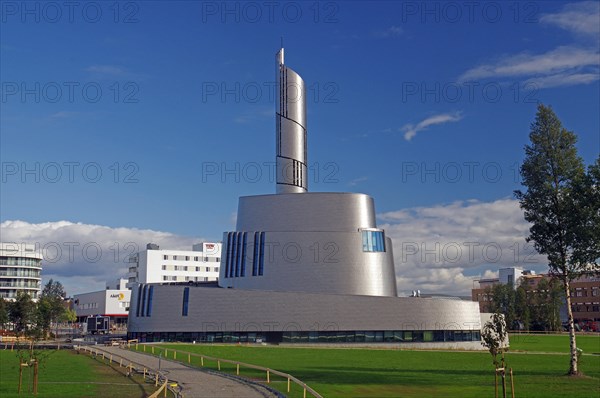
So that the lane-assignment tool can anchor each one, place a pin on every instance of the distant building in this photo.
(153, 265)
(201, 264)
(111, 302)
(585, 300)
(585, 293)
(117, 284)
(20, 270)
(506, 276)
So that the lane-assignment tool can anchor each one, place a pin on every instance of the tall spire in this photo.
(290, 118)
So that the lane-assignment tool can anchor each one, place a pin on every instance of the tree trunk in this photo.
(573, 367)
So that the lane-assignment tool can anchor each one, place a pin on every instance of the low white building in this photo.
(111, 302)
(153, 265)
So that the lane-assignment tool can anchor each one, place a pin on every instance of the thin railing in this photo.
(202, 358)
(158, 378)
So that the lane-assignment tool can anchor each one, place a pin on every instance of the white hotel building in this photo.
(153, 265)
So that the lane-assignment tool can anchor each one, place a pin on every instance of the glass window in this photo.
(373, 241)
(261, 260)
(244, 244)
(143, 299)
(186, 299)
(150, 294)
(427, 335)
(255, 256)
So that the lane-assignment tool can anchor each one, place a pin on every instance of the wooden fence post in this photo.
(35, 377)
(496, 383)
(189, 358)
(219, 365)
(201, 361)
(512, 384)
(288, 390)
(238, 369)
(268, 376)
(166, 384)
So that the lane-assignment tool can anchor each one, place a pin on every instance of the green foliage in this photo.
(50, 306)
(526, 307)
(503, 301)
(34, 319)
(3, 312)
(21, 312)
(495, 336)
(557, 200)
(69, 316)
(561, 203)
(586, 229)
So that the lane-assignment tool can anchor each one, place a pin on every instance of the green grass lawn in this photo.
(64, 373)
(403, 373)
(553, 343)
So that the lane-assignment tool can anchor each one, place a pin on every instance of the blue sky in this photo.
(423, 105)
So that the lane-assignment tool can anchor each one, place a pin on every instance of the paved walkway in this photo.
(194, 382)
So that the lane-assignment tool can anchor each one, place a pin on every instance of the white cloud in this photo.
(562, 60)
(581, 18)
(410, 130)
(443, 248)
(563, 79)
(437, 249)
(392, 31)
(566, 65)
(63, 115)
(84, 256)
(357, 181)
(106, 70)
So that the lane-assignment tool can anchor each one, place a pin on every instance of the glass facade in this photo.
(21, 261)
(373, 241)
(304, 337)
(150, 294)
(236, 254)
(186, 300)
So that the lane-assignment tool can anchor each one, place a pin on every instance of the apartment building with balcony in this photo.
(20, 270)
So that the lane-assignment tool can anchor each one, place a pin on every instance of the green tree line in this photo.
(34, 319)
(528, 307)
